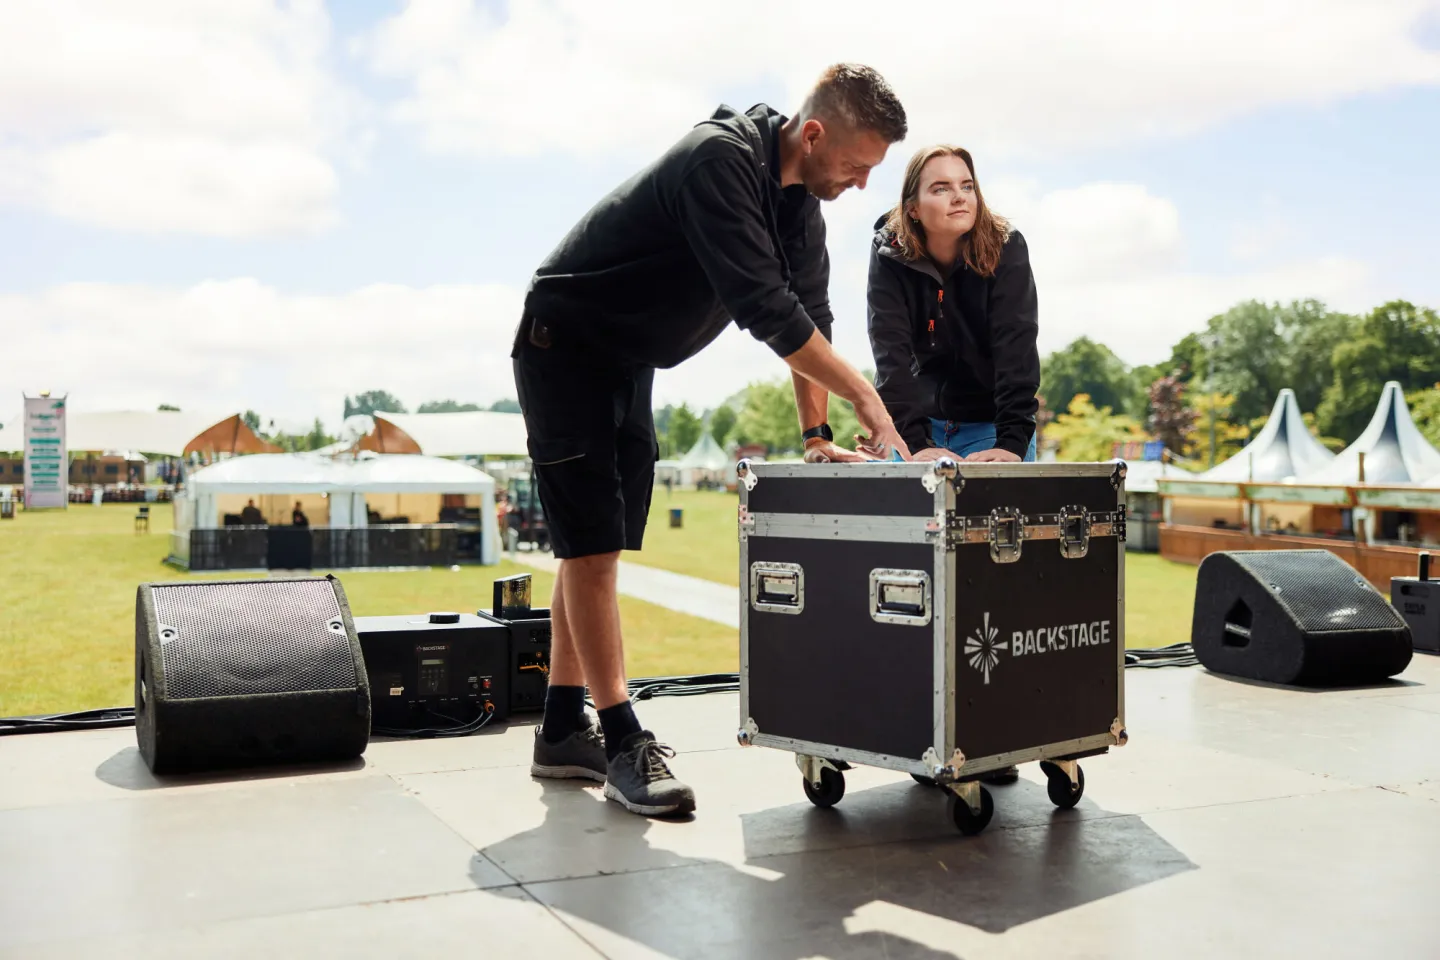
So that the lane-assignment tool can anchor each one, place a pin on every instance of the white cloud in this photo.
(213, 117)
(589, 78)
(1109, 261)
(238, 344)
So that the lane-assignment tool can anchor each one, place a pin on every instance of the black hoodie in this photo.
(655, 271)
(957, 348)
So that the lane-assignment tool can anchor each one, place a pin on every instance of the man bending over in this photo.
(724, 225)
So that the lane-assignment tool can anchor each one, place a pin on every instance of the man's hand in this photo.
(820, 450)
(880, 434)
(993, 456)
(930, 454)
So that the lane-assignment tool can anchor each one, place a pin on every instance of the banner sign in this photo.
(47, 465)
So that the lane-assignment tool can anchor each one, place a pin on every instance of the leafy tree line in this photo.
(1228, 374)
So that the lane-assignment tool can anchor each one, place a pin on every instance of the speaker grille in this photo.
(240, 639)
(1319, 590)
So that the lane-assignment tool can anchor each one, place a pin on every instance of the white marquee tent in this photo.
(349, 487)
(479, 434)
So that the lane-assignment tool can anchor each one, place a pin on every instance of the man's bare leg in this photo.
(566, 747)
(591, 603)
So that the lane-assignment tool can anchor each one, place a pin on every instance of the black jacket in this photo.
(657, 269)
(976, 363)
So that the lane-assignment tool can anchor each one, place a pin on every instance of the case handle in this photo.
(900, 596)
(777, 587)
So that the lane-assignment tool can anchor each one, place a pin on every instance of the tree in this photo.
(373, 401)
(1188, 358)
(769, 417)
(444, 406)
(1229, 437)
(1171, 421)
(1311, 335)
(1137, 401)
(1396, 341)
(317, 437)
(1425, 410)
(168, 407)
(506, 405)
(1250, 358)
(684, 429)
(722, 423)
(1086, 432)
(1090, 368)
(252, 420)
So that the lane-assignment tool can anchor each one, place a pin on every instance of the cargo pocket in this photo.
(550, 453)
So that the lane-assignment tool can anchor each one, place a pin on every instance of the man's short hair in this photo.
(859, 97)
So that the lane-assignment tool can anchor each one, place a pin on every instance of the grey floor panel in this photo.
(134, 865)
(50, 768)
(501, 923)
(1235, 880)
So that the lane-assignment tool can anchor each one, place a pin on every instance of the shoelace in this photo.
(650, 761)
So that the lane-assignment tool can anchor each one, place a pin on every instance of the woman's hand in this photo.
(995, 455)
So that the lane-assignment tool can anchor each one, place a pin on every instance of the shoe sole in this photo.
(685, 806)
(566, 773)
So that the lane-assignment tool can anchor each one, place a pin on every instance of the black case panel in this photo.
(832, 674)
(1063, 683)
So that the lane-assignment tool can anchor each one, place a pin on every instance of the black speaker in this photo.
(232, 673)
(1417, 599)
(1302, 617)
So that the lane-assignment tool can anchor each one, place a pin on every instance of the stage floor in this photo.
(1242, 820)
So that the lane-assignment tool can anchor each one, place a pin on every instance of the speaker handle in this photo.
(1424, 566)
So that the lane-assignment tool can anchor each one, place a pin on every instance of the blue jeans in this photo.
(967, 438)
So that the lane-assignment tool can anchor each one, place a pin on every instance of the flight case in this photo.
(940, 618)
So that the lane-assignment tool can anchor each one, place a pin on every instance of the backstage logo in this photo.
(983, 652)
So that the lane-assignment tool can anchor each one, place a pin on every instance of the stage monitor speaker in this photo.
(1302, 617)
(234, 673)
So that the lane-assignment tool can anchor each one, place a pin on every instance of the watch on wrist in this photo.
(822, 431)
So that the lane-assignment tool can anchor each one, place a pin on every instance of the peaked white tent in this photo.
(705, 455)
(1395, 450)
(1284, 450)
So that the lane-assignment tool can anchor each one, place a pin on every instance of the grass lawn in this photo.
(1159, 594)
(67, 608)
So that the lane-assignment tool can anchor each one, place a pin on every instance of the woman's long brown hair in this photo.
(980, 248)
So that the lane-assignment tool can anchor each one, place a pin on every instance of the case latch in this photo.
(1074, 533)
(1006, 534)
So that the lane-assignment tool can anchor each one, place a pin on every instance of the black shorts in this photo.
(592, 439)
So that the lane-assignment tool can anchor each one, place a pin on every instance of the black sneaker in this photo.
(640, 781)
(579, 756)
(1002, 776)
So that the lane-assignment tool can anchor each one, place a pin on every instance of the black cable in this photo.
(639, 688)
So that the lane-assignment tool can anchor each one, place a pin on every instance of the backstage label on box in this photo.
(984, 648)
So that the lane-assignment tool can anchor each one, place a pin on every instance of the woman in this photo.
(952, 316)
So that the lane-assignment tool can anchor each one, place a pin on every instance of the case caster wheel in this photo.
(924, 781)
(831, 789)
(1063, 793)
(968, 821)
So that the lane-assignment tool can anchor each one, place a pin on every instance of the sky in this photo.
(255, 204)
